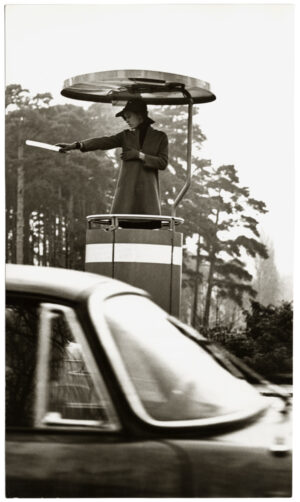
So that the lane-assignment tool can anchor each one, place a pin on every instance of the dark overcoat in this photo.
(137, 190)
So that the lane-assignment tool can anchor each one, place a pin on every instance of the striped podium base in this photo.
(147, 259)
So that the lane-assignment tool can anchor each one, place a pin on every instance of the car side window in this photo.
(62, 383)
(20, 362)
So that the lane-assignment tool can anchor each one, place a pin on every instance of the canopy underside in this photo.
(152, 87)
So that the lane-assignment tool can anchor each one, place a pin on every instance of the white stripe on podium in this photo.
(136, 253)
(98, 252)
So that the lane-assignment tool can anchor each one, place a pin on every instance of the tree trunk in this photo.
(217, 322)
(45, 243)
(54, 238)
(51, 240)
(31, 240)
(10, 236)
(209, 289)
(35, 238)
(69, 232)
(26, 246)
(20, 207)
(60, 244)
(212, 260)
(196, 284)
(39, 239)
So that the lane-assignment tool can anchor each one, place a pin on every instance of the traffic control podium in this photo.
(142, 250)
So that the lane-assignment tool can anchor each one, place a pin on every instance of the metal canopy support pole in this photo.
(189, 154)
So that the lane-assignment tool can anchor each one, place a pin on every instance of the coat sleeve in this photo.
(159, 161)
(104, 143)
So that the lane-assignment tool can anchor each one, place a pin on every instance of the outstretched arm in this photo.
(87, 145)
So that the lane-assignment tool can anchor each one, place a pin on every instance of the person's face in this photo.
(132, 119)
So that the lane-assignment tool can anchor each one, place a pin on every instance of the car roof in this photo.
(60, 282)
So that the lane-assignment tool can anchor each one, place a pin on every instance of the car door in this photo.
(64, 437)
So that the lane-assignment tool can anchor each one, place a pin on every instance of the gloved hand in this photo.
(130, 154)
(65, 147)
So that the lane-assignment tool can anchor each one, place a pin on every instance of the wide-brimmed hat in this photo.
(136, 106)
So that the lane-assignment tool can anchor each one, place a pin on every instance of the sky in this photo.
(245, 51)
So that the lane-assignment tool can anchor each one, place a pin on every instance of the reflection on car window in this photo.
(59, 383)
(173, 376)
(21, 352)
(72, 392)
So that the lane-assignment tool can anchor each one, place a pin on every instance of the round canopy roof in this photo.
(152, 87)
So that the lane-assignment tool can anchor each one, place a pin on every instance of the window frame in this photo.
(42, 419)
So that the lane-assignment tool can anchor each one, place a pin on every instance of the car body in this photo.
(109, 396)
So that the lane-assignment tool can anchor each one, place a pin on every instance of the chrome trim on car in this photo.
(42, 369)
(44, 418)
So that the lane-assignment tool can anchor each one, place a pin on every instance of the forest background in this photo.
(231, 287)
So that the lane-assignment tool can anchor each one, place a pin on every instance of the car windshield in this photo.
(174, 377)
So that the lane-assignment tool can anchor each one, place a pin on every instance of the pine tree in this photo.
(223, 213)
(58, 191)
